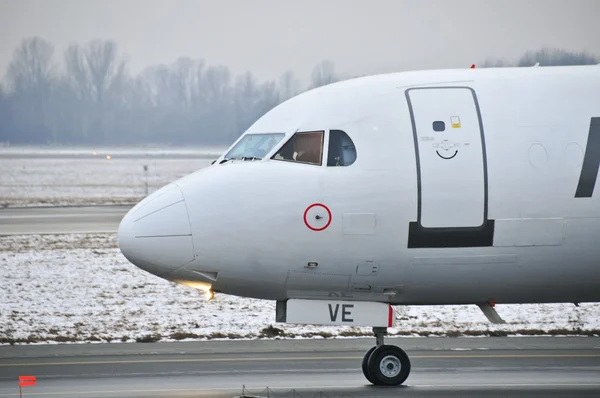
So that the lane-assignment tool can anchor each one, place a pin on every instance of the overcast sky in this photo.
(268, 37)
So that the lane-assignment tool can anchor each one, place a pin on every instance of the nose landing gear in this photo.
(385, 365)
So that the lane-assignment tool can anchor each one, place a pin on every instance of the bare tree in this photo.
(184, 80)
(323, 73)
(95, 100)
(556, 57)
(106, 71)
(269, 97)
(245, 100)
(216, 82)
(95, 71)
(288, 85)
(78, 92)
(30, 79)
(494, 63)
(77, 72)
(153, 83)
(31, 68)
(4, 116)
(545, 57)
(96, 75)
(179, 84)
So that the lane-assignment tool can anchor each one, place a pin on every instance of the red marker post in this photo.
(25, 381)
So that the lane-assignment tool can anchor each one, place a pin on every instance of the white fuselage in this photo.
(468, 186)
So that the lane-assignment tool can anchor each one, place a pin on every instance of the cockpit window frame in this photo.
(322, 132)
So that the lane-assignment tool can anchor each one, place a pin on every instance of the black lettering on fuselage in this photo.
(591, 161)
(346, 312)
(333, 315)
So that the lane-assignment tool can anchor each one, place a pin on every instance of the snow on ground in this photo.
(79, 287)
(32, 176)
(101, 151)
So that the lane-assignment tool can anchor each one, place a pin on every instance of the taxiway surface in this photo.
(482, 367)
(533, 366)
(61, 220)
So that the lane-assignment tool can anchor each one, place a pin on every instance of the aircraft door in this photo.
(451, 168)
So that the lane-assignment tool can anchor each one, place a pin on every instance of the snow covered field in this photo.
(79, 288)
(75, 176)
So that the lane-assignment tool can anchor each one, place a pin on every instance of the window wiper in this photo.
(240, 158)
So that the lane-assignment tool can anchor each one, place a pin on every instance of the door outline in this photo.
(424, 237)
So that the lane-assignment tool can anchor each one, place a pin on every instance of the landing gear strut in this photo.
(385, 365)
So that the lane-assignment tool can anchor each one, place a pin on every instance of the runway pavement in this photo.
(483, 367)
(58, 220)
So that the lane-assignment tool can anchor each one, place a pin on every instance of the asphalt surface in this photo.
(482, 367)
(60, 220)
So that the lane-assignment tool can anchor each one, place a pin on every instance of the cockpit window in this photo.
(341, 149)
(254, 146)
(303, 147)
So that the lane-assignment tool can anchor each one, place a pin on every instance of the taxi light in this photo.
(204, 287)
(209, 294)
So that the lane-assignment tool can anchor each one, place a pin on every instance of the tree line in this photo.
(88, 97)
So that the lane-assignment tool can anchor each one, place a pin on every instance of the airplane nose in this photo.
(155, 235)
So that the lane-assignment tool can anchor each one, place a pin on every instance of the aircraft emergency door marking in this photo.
(591, 161)
(455, 120)
(448, 158)
(451, 171)
(446, 147)
(317, 217)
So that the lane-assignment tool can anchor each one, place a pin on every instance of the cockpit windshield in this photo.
(254, 146)
(303, 147)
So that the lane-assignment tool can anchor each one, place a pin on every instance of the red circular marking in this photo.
(317, 205)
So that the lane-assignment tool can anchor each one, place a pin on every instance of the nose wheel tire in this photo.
(387, 365)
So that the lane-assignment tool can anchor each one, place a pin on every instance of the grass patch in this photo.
(65, 339)
(184, 335)
(271, 331)
(149, 338)
(354, 333)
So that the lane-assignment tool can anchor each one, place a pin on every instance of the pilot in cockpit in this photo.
(308, 148)
(303, 147)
